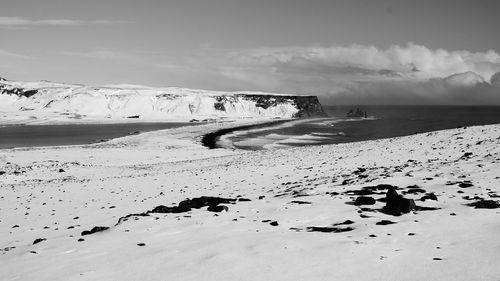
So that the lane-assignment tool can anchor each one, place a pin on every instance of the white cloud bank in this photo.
(364, 74)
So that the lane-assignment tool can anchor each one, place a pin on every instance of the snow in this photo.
(67, 103)
(103, 182)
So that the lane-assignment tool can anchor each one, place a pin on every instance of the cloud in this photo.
(9, 54)
(411, 61)
(411, 74)
(100, 54)
(360, 74)
(19, 22)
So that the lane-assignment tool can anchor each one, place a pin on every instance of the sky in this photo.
(345, 52)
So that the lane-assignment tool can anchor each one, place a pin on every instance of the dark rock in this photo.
(217, 208)
(124, 218)
(465, 184)
(346, 222)
(429, 196)
(262, 197)
(397, 204)
(133, 116)
(244, 200)
(414, 191)
(165, 209)
(94, 230)
(364, 200)
(300, 202)
(466, 155)
(384, 222)
(381, 187)
(38, 240)
(81, 240)
(274, 223)
(204, 201)
(219, 106)
(61, 170)
(329, 229)
(141, 244)
(485, 204)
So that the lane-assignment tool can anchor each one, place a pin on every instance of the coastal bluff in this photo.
(45, 100)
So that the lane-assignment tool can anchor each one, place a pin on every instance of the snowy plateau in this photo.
(38, 102)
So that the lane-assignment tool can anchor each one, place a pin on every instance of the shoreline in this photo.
(210, 139)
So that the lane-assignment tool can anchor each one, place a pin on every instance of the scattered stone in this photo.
(384, 222)
(485, 204)
(466, 155)
(217, 208)
(94, 230)
(465, 184)
(437, 259)
(195, 203)
(125, 218)
(141, 244)
(364, 200)
(300, 202)
(61, 171)
(81, 240)
(274, 223)
(346, 222)
(429, 196)
(414, 190)
(328, 229)
(38, 240)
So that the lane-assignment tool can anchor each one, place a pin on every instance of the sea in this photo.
(56, 135)
(381, 122)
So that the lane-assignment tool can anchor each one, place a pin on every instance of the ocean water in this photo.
(382, 122)
(53, 135)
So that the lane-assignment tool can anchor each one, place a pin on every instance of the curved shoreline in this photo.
(209, 140)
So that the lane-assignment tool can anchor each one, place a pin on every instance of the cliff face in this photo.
(115, 102)
(307, 106)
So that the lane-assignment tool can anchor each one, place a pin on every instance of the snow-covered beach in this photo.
(299, 222)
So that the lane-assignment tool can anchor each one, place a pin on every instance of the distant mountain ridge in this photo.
(71, 101)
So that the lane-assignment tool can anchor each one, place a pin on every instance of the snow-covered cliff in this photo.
(44, 99)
